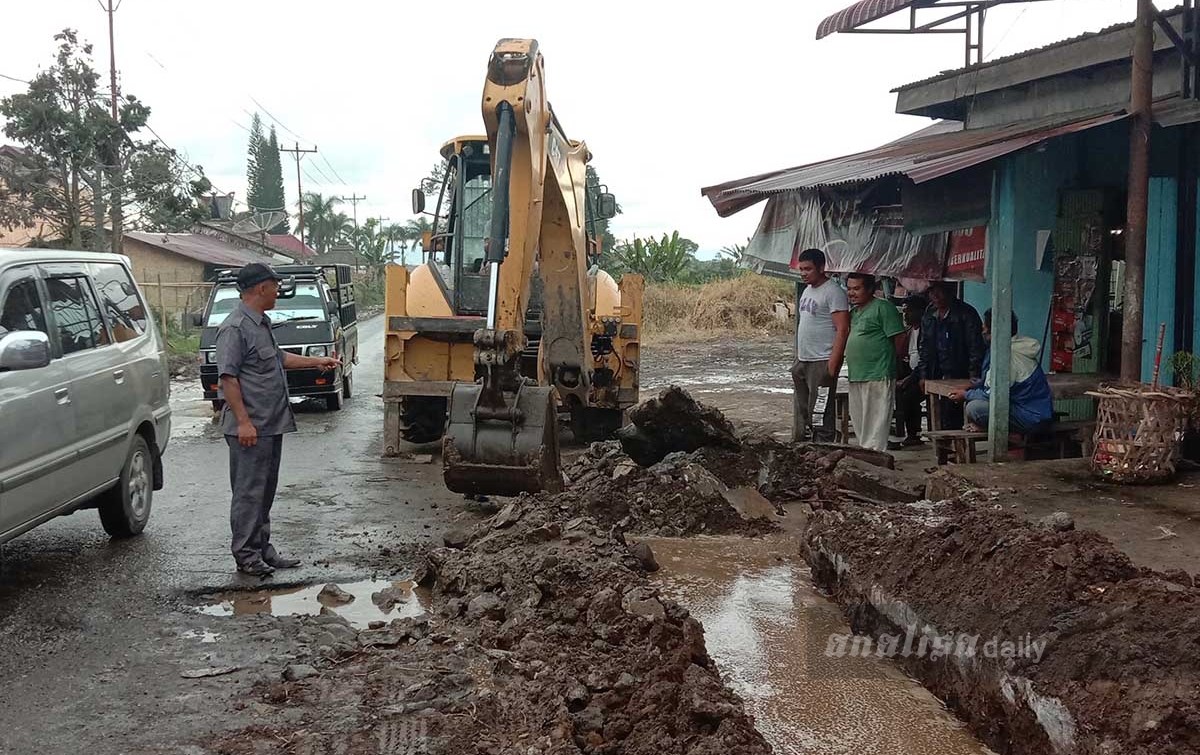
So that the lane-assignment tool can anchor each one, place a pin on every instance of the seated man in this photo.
(1030, 404)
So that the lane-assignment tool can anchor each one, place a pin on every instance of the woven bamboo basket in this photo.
(1138, 430)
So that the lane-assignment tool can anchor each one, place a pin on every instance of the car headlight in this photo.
(318, 351)
(210, 357)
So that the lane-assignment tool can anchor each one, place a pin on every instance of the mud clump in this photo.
(674, 422)
(674, 497)
(543, 636)
(1117, 669)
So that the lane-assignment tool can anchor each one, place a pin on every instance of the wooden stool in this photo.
(959, 444)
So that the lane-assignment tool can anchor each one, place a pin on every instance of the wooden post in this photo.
(1141, 120)
(162, 309)
(1000, 242)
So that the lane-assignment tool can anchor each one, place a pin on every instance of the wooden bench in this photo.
(956, 444)
(1052, 443)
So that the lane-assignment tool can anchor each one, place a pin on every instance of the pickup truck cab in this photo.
(314, 316)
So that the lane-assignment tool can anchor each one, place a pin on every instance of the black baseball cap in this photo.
(253, 274)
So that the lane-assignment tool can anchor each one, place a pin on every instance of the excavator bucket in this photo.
(486, 454)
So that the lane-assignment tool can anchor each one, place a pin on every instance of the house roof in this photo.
(922, 156)
(289, 243)
(1161, 43)
(201, 247)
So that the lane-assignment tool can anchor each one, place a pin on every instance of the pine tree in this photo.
(255, 167)
(273, 181)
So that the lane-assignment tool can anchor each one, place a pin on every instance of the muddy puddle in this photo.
(770, 632)
(309, 600)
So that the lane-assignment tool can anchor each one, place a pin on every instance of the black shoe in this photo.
(279, 562)
(256, 569)
(912, 440)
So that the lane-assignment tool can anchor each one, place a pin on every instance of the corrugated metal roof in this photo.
(863, 12)
(200, 247)
(922, 156)
(1078, 39)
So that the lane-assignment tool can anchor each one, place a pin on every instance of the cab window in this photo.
(123, 308)
(22, 307)
(76, 316)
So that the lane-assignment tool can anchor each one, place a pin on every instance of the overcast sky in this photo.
(668, 96)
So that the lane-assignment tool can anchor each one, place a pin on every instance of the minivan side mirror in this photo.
(608, 206)
(418, 201)
(197, 319)
(24, 350)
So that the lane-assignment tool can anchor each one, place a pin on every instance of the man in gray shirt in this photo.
(256, 415)
(823, 325)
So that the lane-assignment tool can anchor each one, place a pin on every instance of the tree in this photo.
(79, 161)
(264, 173)
(660, 260)
(273, 180)
(372, 247)
(414, 231)
(319, 220)
(432, 183)
(254, 167)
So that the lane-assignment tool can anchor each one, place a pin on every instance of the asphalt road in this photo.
(95, 633)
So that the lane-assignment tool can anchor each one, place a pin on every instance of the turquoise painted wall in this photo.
(1161, 239)
(1040, 175)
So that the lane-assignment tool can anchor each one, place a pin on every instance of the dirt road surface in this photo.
(96, 633)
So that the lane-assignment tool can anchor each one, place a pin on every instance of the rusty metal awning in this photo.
(923, 156)
(863, 12)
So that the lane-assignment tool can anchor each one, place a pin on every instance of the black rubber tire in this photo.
(125, 510)
(333, 401)
(348, 386)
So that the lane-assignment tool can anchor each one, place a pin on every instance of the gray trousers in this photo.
(808, 378)
(253, 477)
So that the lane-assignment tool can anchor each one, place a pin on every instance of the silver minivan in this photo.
(84, 391)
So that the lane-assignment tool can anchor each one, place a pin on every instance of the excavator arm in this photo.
(502, 434)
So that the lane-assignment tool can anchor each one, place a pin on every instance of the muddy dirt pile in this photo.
(675, 497)
(1046, 639)
(672, 422)
(545, 637)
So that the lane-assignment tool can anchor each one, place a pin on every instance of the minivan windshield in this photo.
(305, 304)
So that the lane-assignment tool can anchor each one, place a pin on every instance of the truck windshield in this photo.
(306, 304)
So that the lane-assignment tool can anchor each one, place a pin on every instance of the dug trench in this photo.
(552, 626)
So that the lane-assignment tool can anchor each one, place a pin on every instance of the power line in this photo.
(321, 173)
(14, 78)
(272, 117)
(335, 173)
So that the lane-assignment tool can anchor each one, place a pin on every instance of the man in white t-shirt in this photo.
(821, 333)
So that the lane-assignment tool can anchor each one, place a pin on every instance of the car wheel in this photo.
(125, 509)
(348, 386)
(333, 401)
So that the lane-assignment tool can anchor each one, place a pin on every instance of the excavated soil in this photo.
(544, 637)
(1120, 667)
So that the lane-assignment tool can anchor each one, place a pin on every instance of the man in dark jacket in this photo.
(951, 346)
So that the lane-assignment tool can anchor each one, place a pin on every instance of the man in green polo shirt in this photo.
(876, 339)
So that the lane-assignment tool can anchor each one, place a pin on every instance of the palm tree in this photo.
(415, 229)
(318, 212)
(341, 229)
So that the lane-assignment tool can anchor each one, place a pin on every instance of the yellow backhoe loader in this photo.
(509, 323)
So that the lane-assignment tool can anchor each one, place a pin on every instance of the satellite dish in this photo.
(260, 222)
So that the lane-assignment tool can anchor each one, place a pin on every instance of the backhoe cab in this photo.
(504, 326)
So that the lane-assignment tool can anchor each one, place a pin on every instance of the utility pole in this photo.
(299, 155)
(115, 213)
(1141, 121)
(354, 199)
(387, 244)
